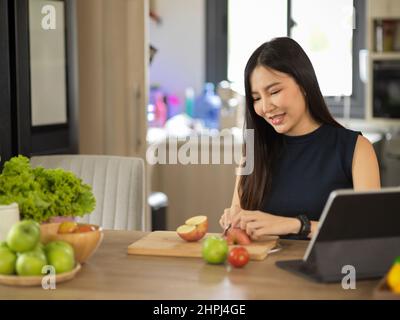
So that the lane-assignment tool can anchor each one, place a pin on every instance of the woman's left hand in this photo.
(257, 224)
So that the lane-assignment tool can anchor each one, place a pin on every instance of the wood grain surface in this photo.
(113, 274)
(168, 243)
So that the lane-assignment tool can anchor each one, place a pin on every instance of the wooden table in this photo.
(112, 274)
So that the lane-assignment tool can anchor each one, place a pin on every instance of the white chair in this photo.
(118, 186)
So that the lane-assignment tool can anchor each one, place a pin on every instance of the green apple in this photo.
(3, 244)
(7, 261)
(23, 236)
(60, 255)
(59, 244)
(30, 263)
(215, 250)
(39, 247)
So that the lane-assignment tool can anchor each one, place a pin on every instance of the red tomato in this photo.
(238, 257)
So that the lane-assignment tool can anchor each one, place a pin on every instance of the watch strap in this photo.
(305, 228)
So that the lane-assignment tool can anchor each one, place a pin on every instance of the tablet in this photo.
(356, 228)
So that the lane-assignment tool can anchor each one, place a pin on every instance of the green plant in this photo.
(44, 193)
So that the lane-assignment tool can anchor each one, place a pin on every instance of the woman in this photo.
(301, 153)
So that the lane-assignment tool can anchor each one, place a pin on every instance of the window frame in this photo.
(216, 40)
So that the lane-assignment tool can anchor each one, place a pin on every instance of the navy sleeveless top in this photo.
(308, 169)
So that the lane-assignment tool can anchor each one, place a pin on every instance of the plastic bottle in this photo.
(208, 107)
(151, 115)
(189, 102)
(173, 105)
(160, 110)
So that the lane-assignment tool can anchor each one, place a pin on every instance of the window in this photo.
(327, 38)
(251, 23)
(331, 32)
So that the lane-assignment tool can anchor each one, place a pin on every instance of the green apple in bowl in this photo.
(7, 261)
(40, 250)
(59, 244)
(23, 236)
(60, 255)
(31, 263)
(215, 250)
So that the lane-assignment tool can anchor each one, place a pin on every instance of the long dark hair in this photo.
(284, 55)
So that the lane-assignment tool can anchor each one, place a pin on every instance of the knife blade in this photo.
(226, 229)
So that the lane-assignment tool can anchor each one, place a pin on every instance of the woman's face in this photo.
(280, 101)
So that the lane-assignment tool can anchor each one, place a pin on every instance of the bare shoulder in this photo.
(364, 151)
(363, 142)
(365, 165)
(363, 147)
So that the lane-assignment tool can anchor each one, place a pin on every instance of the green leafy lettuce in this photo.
(44, 193)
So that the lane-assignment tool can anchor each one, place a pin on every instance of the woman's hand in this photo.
(228, 215)
(257, 224)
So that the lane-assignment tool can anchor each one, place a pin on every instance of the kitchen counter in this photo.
(373, 134)
(113, 274)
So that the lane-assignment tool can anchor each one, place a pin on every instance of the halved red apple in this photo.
(201, 222)
(237, 236)
(194, 228)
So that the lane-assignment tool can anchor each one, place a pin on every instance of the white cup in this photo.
(9, 215)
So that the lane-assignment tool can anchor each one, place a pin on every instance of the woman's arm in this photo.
(257, 223)
(229, 213)
(365, 166)
(268, 223)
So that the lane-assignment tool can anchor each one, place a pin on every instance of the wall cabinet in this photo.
(378, 11)
(384, 8)
(113, 80)
(113, 60)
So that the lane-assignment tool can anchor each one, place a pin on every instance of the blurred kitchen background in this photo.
(118, 76)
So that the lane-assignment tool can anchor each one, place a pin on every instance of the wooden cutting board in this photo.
(168, 243)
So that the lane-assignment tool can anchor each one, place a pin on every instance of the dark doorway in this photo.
(38, 70)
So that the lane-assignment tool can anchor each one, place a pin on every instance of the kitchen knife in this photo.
(226, 229)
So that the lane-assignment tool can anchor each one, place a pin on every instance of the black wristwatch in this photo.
(305, 228)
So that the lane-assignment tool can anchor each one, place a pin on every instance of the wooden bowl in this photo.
(27, 281)
(85, 244)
